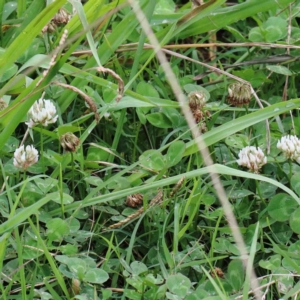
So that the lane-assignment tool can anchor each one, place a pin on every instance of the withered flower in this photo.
(239, 94)
(197, 101)
(134, 200)
(62, 17)
(69, 142)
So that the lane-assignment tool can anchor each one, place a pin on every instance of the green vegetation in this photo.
(133, 173)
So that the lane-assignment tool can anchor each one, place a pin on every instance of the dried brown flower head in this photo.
(134, 200)
(62, 17)
(197, 101)
(217, 272)
(69, 142)
(239, 94)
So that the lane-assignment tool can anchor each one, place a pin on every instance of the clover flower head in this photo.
(42, 112)
(107, 116)
(239, 94)
(252, 158)
(25, 157)
(290, 146)
(69, 141)
(197, 100)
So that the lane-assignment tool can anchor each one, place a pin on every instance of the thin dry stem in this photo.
(60, 46)
(286, 84)
(156, 200)
(86, 98)
(199, 141)
(126, 47)
(260, 288)
(28, 286)
(117, 290)
(117, 77)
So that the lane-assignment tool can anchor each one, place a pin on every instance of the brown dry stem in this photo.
(54, 55)
(86, 98)
(117, 77)
(156, 200)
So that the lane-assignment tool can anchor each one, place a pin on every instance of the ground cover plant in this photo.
(149, 149)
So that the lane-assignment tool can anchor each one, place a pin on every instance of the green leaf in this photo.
(66, 199)
(147, 90)
(179, 284)
(164, 7)
(152, 159)
(57, 229)
(8, 73)
(106, 294)
(271, 263)
(275, 28)
(281, 232)
(279, 70)
(77, 266)
(295, 183)
(256, 35)
(281, 206)
(174, 153)
(132, 294)
(8, 9)
(238, 141)
(295, 221)
(95, 155)
(236, 274)
(174, 116)
(138, 268)
(97, 276)
(284, 281)
(159, 120)
(63, 129)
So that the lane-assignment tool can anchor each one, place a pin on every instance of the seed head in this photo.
(252, 158)
(25, 157)
(42, 112)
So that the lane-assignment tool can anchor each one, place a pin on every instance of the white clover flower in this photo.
(25, 157)
(252, 158)
(107, 116)
(290, 146)
(42, 112)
